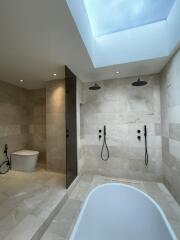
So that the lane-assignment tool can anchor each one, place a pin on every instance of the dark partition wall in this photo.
(71, 127)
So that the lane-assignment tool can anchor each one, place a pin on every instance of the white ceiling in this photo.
(39, 37)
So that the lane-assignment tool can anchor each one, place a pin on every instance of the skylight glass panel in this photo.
(108, 16)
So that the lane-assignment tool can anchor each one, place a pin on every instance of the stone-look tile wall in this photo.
(14, 128)
(22, 119)
(123, 109)
(37, 122)
(79, 99)
(55, 126)
(170, 105)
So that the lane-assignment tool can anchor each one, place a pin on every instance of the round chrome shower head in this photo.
(95, 87)
(139, 83)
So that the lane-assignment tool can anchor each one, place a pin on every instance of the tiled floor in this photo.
(28, 201)
(61, 227)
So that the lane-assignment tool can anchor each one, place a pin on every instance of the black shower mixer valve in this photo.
(139, 135)
(100, 134)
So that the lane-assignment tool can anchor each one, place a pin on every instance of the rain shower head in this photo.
(139, 83)
(95, 87)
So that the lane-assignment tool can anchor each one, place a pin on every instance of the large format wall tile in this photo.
(22, 119)
(55, 126)
(123, 109)
(37, 121)
(13, 118)
(170, 115)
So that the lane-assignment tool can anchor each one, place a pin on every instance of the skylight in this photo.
(108, 16)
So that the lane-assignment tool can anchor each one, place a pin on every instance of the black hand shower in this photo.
(104, 146)
(146, 150)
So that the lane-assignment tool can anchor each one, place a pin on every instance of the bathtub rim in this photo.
(77, 223)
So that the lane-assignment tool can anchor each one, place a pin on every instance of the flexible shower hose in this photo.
(104, 147)
(146, 156)
(146, 149)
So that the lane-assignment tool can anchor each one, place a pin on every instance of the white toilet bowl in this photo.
(24, 160)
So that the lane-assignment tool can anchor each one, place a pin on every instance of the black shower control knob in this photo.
(100, 130)
(138, 131)
(139, 138)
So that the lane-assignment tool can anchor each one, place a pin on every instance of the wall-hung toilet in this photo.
(24, 160)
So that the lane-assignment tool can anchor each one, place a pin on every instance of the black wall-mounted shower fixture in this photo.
(139, 83)
(146, 158)
(146, 148)
(95, 87)
(104, 156)
(139, 136)
(100, 136)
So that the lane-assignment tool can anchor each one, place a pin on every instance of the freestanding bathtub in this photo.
(120, 212)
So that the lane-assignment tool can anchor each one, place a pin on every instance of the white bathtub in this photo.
(120, 212)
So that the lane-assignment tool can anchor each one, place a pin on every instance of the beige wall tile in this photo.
(22, 119)
(55, 128)
(170, 112)
(123, 109)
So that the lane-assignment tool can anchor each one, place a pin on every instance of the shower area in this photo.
(121, 124)
(141, 119)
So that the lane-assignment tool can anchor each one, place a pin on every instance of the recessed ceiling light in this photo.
(54, 74)
(117, 72)
(21, 80)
